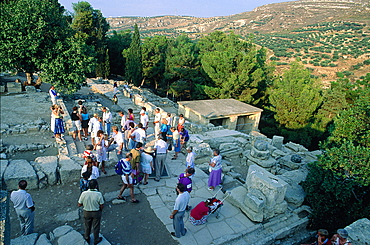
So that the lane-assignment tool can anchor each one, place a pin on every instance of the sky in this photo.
(149, 8)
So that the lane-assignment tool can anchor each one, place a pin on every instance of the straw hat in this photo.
(149, 150)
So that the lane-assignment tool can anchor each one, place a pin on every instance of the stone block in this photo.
(278, 153)
(272, 187)
(30, 89)
(69, 170)
(2, 88)
(43, 240)
(237, 196)
(278, 141)
(268, 163)
(294, 176)
(295, 195)
(60, 231)
(255, 203)
(18, 170)
(261, 145)
(71, 238)
(286, 162)
(263, 155)
(25, 240)
(293, 146)
(48, 165)
(359, 231)
(14, 87)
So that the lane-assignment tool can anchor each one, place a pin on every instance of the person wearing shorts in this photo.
(76, 122)
(127, 178)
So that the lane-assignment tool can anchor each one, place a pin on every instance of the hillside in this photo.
(265, 19)
(332, 38)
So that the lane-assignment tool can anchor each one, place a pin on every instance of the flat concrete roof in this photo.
(219, 108)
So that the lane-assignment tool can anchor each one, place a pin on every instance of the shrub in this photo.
(335, 202)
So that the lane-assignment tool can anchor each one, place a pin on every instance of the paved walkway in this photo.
(231, 222)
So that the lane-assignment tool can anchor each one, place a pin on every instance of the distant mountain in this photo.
(270, 18)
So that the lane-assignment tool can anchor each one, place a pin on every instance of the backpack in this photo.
(118, 168)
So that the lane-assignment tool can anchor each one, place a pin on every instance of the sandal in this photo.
(105, 172)
(135, 201)
(174, 158)
(121, 198)
(145, 183)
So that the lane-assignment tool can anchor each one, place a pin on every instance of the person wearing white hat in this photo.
(341, 238)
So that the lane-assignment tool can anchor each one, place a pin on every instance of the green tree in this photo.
(29, 31)
(295, 97)
(237, 68)
(134, 67)
(334, 101)
(91, 25)
(154, 59)
(116, 44)
(67, 69)
(342, 174)
(182, 62)
(36, 37)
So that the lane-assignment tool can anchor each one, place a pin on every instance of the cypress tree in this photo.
(134, 67)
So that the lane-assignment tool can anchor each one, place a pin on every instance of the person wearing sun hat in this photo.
(146, 162)
(341, 238)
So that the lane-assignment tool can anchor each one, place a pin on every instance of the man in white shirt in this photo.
(117, 140)
(123, 120)
(107, 120)
(160, 147)
(178, 212)
(139, 135)
(92, 202)
(157, 122)
(24, 207)
(144, 119)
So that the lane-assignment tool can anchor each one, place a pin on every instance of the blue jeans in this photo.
(107, 128)
(178, 224)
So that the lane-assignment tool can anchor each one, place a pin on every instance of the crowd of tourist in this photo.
(135, 166)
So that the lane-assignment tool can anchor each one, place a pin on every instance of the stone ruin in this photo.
(261, 176)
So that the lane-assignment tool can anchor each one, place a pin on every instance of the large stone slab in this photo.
(270, 185)
(72, 238)
(60, 231)
(359, 231)
(25, 240)
(20, 170)
(295, 195)
(69, 170)
(48, 165)
(43, 240)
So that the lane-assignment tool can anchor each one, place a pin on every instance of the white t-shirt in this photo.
(107, 117)
(161, 146)
(94, 172)
(139, 135)
(157, 118)
(123, 120)
(144, 120)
